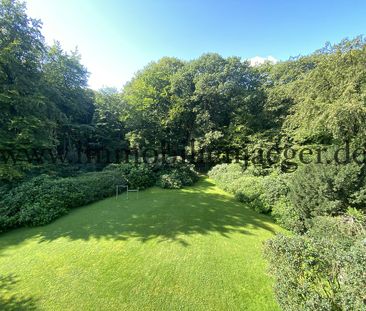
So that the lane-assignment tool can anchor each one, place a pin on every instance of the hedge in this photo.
(44, 198)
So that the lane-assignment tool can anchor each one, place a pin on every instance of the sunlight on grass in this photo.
(189, 249)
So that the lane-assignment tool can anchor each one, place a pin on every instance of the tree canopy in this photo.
(215, 101)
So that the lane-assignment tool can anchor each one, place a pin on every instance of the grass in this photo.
(190, 249)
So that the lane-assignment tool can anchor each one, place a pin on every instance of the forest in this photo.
(256, 131)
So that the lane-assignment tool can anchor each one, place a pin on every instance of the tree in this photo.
(110, 118)
(65, 82)
(23, 108)
(216, 97)
(329, 98)
(149, 100)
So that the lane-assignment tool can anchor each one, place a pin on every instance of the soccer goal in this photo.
(120, 188)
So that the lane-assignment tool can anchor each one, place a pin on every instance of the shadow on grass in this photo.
(11, 302)
(164, 215)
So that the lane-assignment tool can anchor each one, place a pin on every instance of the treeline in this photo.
(45, 102)
(218, 103)
(44, 99)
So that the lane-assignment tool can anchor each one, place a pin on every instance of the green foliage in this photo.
(325, 189)
(210, 84)
(171, 180)
(65, 80)
(323, 269)
(218, 102)
(23, 110)
(327, 95)
(44, 100)
(286, 215)
(250, 190)
(149, 102)
(177, 175)
(226, 174)
(136, 176)
(108, 119)
(251, 186)
(172, 102)
(44, 198)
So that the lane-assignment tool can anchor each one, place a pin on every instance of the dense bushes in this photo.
(322, 269)
(225, 175)
(139, 176)
(170, 176)
(176, 176)
(44, 198)
(258, 190)
(320, 190)
(321, 266)
(295, 198)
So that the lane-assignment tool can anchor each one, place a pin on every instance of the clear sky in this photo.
(118, 37)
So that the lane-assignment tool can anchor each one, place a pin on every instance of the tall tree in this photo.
(214, 97)
(149, 98)
(65, 82)
(23, 108)
(330, 97)
(110, 118)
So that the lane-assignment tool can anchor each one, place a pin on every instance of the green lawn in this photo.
(190, 249)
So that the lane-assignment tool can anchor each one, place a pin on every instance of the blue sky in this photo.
(118, 37)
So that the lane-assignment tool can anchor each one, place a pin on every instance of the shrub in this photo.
(319, 190)
(249, 190)
(275, 187)
(323, 269)
(44, 198)
(139, 176)
(260, 191)
(170, 181)
(175, 176)
(285, 214)
(225, 175)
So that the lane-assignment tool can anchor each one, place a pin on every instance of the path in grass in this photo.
(190, 249)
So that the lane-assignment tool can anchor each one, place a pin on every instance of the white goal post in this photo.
(118, 187)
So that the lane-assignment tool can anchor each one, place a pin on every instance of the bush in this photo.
(175, 176)
(320, 190)
(225, 175)
(285, 214)
(323, 269)
(260, 191)
(249, 190)
(139, 176)
(44, 198)
(170, 181)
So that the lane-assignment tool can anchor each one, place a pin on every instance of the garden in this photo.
(247, 182)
